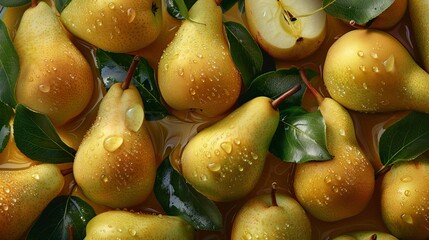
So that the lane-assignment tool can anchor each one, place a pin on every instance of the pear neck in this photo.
(417, 89)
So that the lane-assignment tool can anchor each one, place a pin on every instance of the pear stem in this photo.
(33, 3)
(131, 70)
(382, 171)
(70, 231)
(304, 78)
(373, 236)
(273, 194)
(276, 102)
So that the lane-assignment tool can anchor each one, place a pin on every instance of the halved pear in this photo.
(288, 30)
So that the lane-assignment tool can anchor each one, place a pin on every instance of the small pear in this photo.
(54, 78)
(371, 71)
(114, 25)
(325, 189)
(115, 164)
(225, 160)
(24, 194)
(404, 199)
(125, 225)
(271, 216)
(419, 22)
(196, 71)
(365, 235)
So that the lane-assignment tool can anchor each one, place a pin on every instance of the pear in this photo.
(54, 78)
(271, 216)
(391, 16)
(24, 194)
(370, 71)
(196, 71)
(420, 22)
(115, 163)
(126, 225)
(114, 25)
(225, 160)
(325, 189)
(404, 199)
(365, 235)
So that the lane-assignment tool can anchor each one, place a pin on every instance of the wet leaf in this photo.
(9, 67)
(14, 3)
(61, 4)
(405, 140)
(179, 8)
(36, 137)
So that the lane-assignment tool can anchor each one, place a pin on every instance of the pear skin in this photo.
(54, 78)
(224, 161)
(420, 23)
(391, 16)
(196, 71)
(125, 225)
(371, 71)
(365, 235)
(325, 189)
(24, 194)
(115, 163)
(114, 25)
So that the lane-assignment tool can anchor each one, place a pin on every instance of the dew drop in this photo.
(208, 154)
(407, 218)
(199, 55)
(112, 143)
(362, 68)
(360, 53)
(6, 190)
(389, 64)
(192, 91)
(240, 168)
(134, 117)
(375, 69)
(104, 178)
(407, 193)
(335, 189)
(132, 232)
(45, 88)
(364, 86)
(166, 66)
(5, 207)
(35, 176)
(328, 179)
(112, 5)
(342, 132)
(406, 179)
(217, 152)
(237, 141)
(99, 22)
(180, 72)
(226, 146)
(374, 55)
(117, 30)
(214, 167)
(131, 13)
(203, 178)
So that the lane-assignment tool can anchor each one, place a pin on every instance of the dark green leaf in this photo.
(179, 8)
(13, 3)
(227, 4)
(113, 68)
(356, 10)
(37, 138)
(61, 4)
(241, 6)
(4, 136)
(405, 140)
(6, 113)
(9, 67)
(245, 51)
(178, 198)
(300, 136)
(63, 214)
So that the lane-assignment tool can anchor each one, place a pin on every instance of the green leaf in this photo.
(227, 4)
(405, 140)
(300, 136)
(6, 113)
(178, 198)
(36, 137)
(356, 10)
(13, 3)
(62, 215)
(9, 67)
(4, 136)
(179, 8)
(245, 51)
(61, 4)
(113, 68)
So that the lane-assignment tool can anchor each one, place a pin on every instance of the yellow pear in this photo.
(404, 199)
(365, 235)
(326, 188)
(115, 163)
(114, 25)
(54, 78)
(371, 71)
(126, 225)
(420, 21)
(196, 71)
(24, 194)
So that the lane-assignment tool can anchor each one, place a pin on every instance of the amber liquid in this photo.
(172, 131)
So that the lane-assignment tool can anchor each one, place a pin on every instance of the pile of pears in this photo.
(116, 160)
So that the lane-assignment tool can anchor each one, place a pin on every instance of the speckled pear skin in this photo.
(365, 235)
(54, 78)
(115, 164)
(326, 188)
(196, 71)
(371, 71)
(24, 194)
(114, 25)
(420, 23)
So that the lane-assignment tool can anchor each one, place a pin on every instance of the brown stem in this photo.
(67, 171)
(382, 171)
(316, 94)
(360, 26)
(273, 194)
(276, 102)
(33, 3)
(131, 70)
(373, 236)
(70, 231)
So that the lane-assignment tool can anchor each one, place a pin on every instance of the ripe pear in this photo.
(365, 235)
(391, 16)
(54, 78)
(263, 217)
(125, 225)
(420, 22)
(114, 25)
(115, 164)
(370, 71)
(224, 161)
(24, 194)
(326, 188)
(196, 71)
(404, 199)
